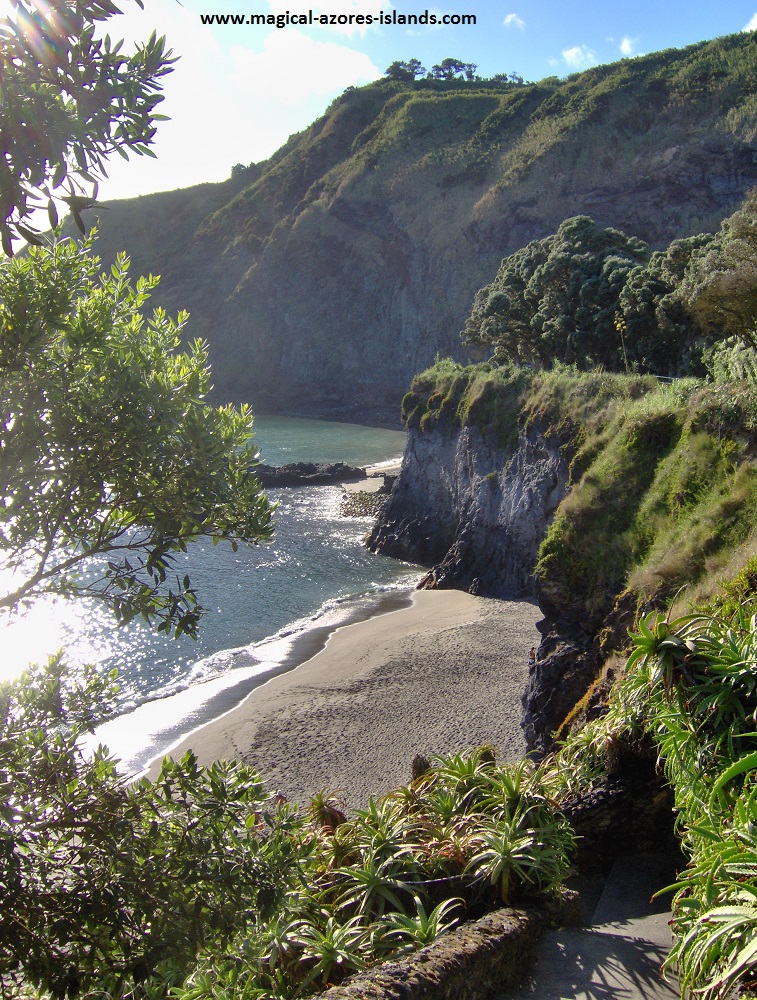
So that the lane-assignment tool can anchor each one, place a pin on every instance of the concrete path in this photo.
(618, 955)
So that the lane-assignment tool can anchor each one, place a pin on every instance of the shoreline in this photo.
(155, 727)
(141, 733)
(440, 675)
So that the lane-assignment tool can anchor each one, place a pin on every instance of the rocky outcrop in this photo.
(474, 511)
(307, 474)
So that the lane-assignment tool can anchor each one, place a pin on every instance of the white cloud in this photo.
(579, 57)
(513, 21)
(227, 103)
(752, 25)
(628, 45)
(326, 66)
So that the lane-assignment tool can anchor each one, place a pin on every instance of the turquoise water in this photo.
(292, 439)
(314, 570)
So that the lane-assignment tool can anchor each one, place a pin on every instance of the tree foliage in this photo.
(451, 69)
(107, 447)
(106, 884)
(555, 300)
(68, 100)
(660, 335)
(406, 72)
(720, 289)
(588, 296)
(111, 461)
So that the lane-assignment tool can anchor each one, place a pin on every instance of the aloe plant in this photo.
(333, 947)
(691, 683)
(413, 931)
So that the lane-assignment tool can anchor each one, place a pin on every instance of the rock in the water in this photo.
(307, 474)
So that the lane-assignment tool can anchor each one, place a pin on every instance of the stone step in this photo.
(619, 954)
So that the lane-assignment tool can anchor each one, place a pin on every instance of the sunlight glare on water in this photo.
(315, 558)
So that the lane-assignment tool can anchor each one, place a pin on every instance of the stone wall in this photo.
(472, 962)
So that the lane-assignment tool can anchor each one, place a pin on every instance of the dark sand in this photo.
(441, 676)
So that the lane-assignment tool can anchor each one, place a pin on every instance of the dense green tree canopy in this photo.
(720, 290)
(405, 71)
(660, 334)
(556, 298)
(107, 447)
(588, 296)
(451, 68)
(106, 885)
(68, 100)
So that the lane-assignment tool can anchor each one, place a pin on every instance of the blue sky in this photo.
(238, 92)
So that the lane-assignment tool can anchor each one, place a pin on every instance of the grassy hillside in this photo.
(663, 481)
(373, 228)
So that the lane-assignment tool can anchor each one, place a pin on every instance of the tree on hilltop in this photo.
(405, 72)
(450, 69)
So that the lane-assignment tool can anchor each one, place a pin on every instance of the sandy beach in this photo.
(440, 676)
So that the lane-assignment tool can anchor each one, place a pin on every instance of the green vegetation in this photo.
(557, 299)
(447, 69)
(594, 297)
(663, 496)
(110, 462)
(663, 483)
(205, 884)
(431, 183)
(690, 685)
(453, 395)
(68, 101)
(110, 459)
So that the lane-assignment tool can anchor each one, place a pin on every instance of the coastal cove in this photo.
(268, 606)
(377, 603)
(442, 674)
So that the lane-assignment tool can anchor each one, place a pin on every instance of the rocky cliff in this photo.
(599, 495)
(326, 277)
(477, 513)
(475, 510)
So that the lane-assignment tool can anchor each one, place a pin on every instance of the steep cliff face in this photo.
(476, 510)
(326, 277)
(617, 494)
(478, 514)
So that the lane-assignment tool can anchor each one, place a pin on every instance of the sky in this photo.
(239, 91)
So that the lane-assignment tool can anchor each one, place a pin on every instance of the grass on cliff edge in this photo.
(663, 481)
(664, 496)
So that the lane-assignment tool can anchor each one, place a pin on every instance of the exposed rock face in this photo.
(476, 511)
(566, 662)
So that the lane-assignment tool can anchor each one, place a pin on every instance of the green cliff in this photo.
(325, 277)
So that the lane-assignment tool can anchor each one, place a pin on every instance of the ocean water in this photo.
(260, 600)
